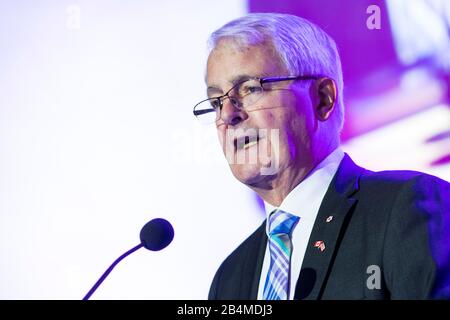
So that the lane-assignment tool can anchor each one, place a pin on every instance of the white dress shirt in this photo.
(303, 201)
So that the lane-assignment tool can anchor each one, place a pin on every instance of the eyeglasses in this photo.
(242, 96)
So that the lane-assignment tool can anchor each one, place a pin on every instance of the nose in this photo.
(231, 114)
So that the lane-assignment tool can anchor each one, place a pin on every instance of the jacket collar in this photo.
(331, 222)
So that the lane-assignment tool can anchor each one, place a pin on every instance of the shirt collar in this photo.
(313, 187)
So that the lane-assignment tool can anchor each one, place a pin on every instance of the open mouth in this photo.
(245, 142)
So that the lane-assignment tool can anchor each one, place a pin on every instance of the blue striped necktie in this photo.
(281, 225)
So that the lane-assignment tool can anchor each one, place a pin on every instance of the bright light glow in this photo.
(420, 29)
(402, 145)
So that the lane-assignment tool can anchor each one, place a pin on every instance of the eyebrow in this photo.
(239, 78)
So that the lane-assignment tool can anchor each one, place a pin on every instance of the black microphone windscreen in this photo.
(156, 234)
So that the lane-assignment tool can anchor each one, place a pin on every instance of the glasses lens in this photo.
(249, 92)
(206, 112)
(242, 96)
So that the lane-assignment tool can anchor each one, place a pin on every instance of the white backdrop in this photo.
(97, 137)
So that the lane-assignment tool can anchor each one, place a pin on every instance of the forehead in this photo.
(228, 63)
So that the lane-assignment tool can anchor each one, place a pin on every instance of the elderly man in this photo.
(333, 230)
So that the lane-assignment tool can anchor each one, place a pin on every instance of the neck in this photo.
(276, 188)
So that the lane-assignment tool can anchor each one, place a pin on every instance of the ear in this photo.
(326, 102)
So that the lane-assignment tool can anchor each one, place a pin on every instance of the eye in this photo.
(255, 89)
(250, 88)
(215, 103)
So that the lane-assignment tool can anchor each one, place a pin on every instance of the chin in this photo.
(251, 175)
(245, 172)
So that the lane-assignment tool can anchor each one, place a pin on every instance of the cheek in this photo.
(302, 135)
(305, 114)
(296, 135)
(302, 119)
(287, 139)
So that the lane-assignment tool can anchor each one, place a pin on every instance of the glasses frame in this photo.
(220, 99)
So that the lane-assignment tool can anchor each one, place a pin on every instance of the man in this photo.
(333, 230)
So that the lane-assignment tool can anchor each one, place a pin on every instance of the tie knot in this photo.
(281, 222)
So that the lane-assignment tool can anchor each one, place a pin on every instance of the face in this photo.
(280, 125)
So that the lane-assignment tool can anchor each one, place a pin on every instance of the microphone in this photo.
(155, 235)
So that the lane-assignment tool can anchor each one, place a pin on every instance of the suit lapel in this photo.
(254, 259)
(329, 227)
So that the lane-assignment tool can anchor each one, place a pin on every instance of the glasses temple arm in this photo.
(200, 112)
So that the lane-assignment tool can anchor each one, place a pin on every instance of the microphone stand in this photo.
(103, 277)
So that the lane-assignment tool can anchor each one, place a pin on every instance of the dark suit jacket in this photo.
(394, 222)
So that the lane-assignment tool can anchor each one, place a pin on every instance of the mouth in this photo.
(245, 142)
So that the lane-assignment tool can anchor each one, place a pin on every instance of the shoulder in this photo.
(401, 192)
(413, 210)
(249, 245)
(403, 181)
(398, 176)
(234, 278)
(417, 233)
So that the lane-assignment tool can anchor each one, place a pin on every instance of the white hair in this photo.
(303, 47)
